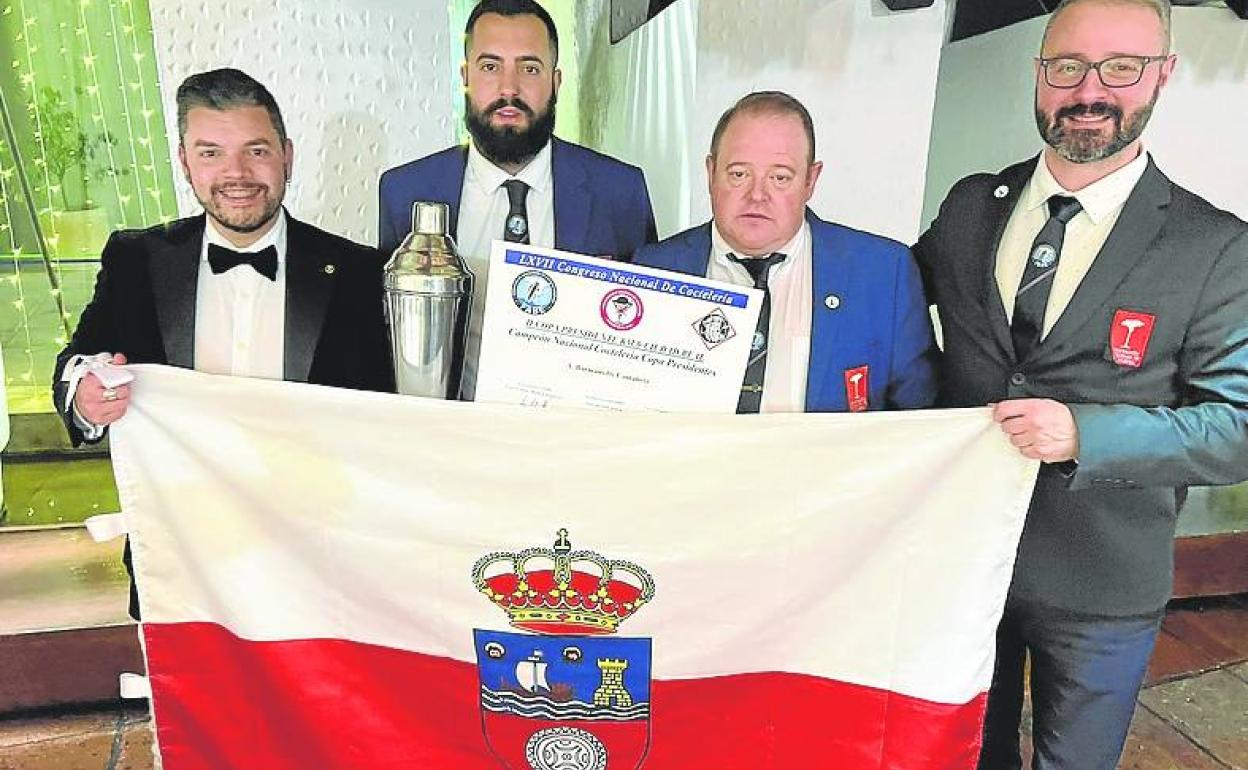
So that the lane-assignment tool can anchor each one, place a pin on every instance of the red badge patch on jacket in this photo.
(1129, 336)
(857, 385)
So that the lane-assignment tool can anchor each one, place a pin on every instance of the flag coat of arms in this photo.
(335, 579)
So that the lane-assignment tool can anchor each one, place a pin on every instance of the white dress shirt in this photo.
(788, 343)
(1102, 202)
(240, 316)
(483, 207)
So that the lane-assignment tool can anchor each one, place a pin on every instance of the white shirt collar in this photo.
(482, 172)
(720, 248)
(1099, 199)
(275, 237)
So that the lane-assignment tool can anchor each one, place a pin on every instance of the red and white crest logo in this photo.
(1129, 336)
(857, 386)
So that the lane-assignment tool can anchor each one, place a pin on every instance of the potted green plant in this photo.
(66, 159)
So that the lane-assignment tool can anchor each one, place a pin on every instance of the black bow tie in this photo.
(263, 261)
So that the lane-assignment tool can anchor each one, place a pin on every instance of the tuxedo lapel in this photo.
(174, 268)
(572, 199)
(309, 282)
(1138, 225)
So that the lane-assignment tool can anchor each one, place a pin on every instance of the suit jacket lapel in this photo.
(1141, 219)
(571, 197)
(174, 269)
(694, 255)
(827, 268)
(309, 281)
(997, 210)
(453, 190)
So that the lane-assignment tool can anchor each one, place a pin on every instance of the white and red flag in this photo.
(332, 579)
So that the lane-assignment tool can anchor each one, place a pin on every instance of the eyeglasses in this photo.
(1115, 72)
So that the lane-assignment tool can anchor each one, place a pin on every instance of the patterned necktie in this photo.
(751, 397)
(1033, 290)
(516, 229)
(263, 261)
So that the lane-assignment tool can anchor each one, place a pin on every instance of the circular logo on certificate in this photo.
(533, 292)
(621, 309)
(714, 329)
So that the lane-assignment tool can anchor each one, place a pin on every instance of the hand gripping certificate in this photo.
(565, 330)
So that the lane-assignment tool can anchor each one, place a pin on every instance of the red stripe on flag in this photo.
(222, 702)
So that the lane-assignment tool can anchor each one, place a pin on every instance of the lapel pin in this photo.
(831, 302)
(329, 269)
(1001, 191)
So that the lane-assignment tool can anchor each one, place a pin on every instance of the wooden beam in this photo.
(1211, 565)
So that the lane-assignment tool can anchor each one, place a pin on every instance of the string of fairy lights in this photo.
(85, 68)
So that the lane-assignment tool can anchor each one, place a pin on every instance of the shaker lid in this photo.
(429, 218)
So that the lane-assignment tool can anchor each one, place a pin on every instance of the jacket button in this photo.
(1018, 378)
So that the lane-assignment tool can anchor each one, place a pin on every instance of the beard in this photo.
(242, 221)
(1081, 145)
(509, 146)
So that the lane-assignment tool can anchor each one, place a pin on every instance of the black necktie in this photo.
(516, 228)
(263, 261)
(752, 384)
(1037, 281)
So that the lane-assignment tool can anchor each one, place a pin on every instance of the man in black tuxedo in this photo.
(243, 289)
(1104, 311)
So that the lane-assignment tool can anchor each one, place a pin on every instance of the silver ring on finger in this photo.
(109, 394)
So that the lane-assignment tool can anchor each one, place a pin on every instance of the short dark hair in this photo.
(226, 89)
(766, 103)
(513, 8)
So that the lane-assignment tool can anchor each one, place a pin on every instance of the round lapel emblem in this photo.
(1044, 257)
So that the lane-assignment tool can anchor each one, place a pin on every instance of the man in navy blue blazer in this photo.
(516, 181)
(845, 325)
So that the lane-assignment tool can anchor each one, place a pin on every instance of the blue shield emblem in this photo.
(546, 697)
(570, 695)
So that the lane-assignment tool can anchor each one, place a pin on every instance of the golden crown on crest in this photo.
(560, 591)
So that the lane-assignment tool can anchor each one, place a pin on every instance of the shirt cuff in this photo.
(90, 431)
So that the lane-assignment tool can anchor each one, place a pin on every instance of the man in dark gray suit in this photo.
(1104, 311)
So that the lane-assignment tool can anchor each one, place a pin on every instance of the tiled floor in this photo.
(1192, 715)
(1193, 712)
(115, 739)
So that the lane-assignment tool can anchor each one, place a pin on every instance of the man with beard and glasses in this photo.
(515, 181)
(1102, 310)
(242, 289)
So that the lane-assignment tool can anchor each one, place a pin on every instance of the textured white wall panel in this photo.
(868, 77)
(361, 83)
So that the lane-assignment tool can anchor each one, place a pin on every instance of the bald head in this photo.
(1159, 7)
